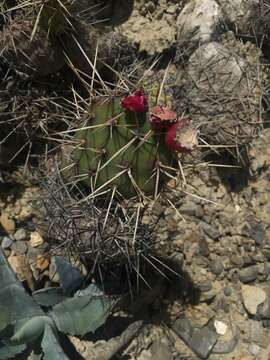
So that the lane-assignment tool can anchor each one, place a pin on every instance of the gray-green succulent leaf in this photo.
(81, 315)
(50, 345)
(70, 277)
(8, 352)
(4, 317)
(31, 330)
(91, 290)
(19, 306)
(49, 296)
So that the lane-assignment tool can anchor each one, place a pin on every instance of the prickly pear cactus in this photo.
(118, 149)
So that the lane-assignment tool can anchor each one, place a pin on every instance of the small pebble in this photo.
(205, 286)
(216, 267)
(6, 242)
(227, 291)
(221, 327)
(20, 235)
(248, 274)
(266, 253)
(254, 349)
(257, 234)
(42, 263)
(203, 247)
(19, 247)
(25, 213)
(264, 308)
(237, 260)
(207, 296)
(36, 239)
(7, 223)
(210, 230)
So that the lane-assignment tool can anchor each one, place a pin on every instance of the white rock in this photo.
(199, 18)
(252, 297)
(216, 62)
(36, 239)
(221, 327)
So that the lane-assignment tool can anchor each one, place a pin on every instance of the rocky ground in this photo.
(219, 237)
(223, 244)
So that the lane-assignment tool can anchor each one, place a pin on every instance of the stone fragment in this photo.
(227, 346)
(20, 235)
(252, 297)
(207, 296)
(25, 213)
(21, 267)
(19, 247)
(227, 291)
(203, 247)
(36, 239)
(198, 20)
(200, 340)
(248, 274)
(42, 263)
(221, 327)
(216, 267)
(264, 308)
(204, 286)
(210, 230)
(237, 260)
(6, 242)
(7, 223)
(258, 334)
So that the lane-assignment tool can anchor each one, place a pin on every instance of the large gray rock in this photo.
(223, 92)
(200, 340)
(198, 20)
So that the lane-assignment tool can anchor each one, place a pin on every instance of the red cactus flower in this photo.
(162, 117)
(181, 136)
(137, 102)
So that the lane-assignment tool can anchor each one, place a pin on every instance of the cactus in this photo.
(118, 149)
(23, 323)
(121, 144)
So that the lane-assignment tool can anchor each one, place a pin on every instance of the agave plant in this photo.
(24, 323)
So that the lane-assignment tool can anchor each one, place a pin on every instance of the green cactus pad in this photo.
(120, 150)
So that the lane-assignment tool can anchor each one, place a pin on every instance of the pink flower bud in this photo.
(137, 102)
